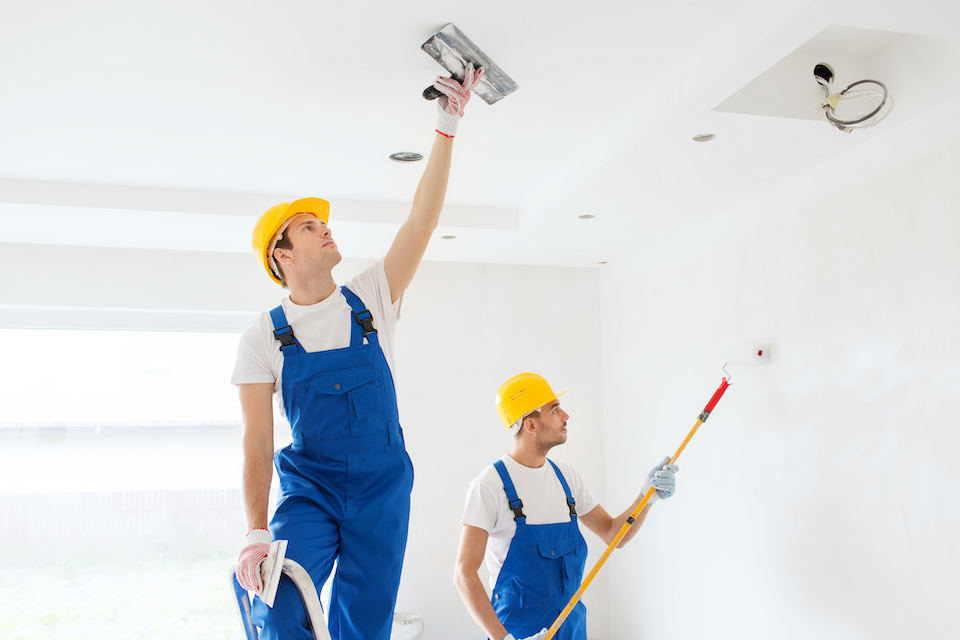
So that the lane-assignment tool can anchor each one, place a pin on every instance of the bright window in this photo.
(120, 472)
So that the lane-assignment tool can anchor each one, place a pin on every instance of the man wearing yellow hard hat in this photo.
(522, 514)
(327, 353)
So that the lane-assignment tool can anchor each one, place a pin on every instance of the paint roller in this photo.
(741, 355)
(747, 354)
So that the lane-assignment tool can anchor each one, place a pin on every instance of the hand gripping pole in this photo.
(636, 512)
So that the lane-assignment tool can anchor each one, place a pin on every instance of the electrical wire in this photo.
(881, 100)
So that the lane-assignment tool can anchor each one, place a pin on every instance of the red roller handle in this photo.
(716, 396)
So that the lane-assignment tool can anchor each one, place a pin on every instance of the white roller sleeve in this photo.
(748, 353)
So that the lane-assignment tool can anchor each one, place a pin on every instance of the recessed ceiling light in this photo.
(406, 156)
(704, 137)
(602, 262)
(587, 216)
(448, 237)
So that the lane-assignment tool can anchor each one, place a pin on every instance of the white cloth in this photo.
(544, 502)
(318, 327)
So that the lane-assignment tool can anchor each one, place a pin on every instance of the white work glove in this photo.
(454, 99)
(257, 545)
(537, 636)
(663, 480)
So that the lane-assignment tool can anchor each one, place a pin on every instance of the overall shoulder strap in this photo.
(363, 327)
(515, 503)
(571, 503)
(283, 332)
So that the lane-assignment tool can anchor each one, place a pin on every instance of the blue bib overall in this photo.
(345, 484)
(541, 572)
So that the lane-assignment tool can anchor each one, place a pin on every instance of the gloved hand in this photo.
(257, 545)
(454, 99)
(537, 636)
(663, 480)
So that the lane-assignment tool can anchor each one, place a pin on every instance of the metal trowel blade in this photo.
(453, 51)
(271, 570)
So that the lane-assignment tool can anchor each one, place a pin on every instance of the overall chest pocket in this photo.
(348, 402)
(554, 566)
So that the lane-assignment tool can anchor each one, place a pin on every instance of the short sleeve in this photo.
(481, 507)
(253, 365)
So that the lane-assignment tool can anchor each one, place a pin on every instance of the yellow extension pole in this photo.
(633, 516)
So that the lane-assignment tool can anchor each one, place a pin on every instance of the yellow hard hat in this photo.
(523, 394)
(267, 230)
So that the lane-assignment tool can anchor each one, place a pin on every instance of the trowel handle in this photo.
(432, 93)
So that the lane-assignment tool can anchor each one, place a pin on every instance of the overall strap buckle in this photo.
(517, 507)
(285, 336)
(362, 316)
(572, 504)
(284, 333)
(365, 320)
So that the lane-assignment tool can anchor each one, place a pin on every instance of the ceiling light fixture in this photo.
(448, 237)
(406, 156)
(587, 216)
(704, 137)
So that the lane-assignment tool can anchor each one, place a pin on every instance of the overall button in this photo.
(336, 386)
(553, 553)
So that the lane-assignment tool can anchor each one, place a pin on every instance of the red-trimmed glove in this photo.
(455, 97)
(251, 557)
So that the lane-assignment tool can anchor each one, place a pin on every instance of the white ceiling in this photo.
(173, 124)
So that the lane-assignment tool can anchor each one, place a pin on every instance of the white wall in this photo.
(821, 498)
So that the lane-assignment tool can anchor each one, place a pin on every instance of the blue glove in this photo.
(663, 480)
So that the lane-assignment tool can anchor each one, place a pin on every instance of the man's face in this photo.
(552, 425)
(312, 240)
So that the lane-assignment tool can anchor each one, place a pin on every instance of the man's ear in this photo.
(281, 256)
(529, 423)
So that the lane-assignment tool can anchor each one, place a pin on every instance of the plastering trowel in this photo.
(271, 569)
(275, 564)
(454, 51)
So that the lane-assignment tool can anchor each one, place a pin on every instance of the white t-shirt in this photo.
(543, 497)
(318, 327)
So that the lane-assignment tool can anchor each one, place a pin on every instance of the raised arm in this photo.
(466, 577)
(411, 242)
(408, 247)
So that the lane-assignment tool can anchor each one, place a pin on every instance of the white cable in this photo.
(883, 102)
(878, 99)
